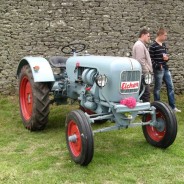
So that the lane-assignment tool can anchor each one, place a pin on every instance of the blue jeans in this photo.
(164, 75)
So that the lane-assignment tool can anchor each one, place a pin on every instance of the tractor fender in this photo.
(40, 67)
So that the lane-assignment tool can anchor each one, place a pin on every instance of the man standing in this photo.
(159, 57)
(141, 54)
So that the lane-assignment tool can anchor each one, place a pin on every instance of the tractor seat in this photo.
(58, 61)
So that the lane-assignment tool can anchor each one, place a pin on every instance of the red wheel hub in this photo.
(75, 146)
(26, 98)
(154, 132)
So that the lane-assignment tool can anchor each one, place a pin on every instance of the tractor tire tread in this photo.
(40, 111)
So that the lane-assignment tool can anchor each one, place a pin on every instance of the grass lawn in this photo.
(119, 156)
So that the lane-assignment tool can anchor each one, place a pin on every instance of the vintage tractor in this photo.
(107, 88)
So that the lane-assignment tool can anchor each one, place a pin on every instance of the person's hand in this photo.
(165, 57)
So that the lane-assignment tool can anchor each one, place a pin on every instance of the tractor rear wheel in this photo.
(164, 134)
(33, 100)
(79, 137)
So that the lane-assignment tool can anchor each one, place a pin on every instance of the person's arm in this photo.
(140, 56)
(165, 56)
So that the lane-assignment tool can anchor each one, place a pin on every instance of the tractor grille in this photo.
(130, 81)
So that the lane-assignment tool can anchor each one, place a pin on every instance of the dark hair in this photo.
(161, 31)
(143, 32)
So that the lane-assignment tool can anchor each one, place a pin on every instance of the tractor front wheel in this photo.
(79, 137)
(33, 100)
(164, 133)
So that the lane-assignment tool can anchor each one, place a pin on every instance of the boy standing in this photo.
(159, 57)
(141, 54)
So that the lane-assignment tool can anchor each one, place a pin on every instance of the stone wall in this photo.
(108, 27)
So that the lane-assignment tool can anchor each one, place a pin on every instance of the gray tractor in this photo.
(107, 88)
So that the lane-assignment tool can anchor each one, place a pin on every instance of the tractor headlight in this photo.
(148, 79)
(101, 80)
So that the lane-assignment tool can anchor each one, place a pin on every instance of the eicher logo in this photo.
(130, 85)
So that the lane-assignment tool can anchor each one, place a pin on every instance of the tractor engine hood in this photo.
(123, 74)
(102, 64)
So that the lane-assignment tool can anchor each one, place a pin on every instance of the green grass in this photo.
(119, 156)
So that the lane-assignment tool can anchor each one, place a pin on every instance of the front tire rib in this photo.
(79, 138)
(164, 135)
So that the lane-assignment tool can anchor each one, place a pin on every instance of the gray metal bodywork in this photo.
(77, 80)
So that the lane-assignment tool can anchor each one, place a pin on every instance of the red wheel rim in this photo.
(76, 146)
(153, 132)
(26, 98)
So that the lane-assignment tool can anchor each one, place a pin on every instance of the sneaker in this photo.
(176, 110)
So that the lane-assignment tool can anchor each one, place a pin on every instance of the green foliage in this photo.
(119, 156)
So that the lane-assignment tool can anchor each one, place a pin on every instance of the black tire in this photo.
(173, 115)
(33, 100)
(82, 148)
(166, 135)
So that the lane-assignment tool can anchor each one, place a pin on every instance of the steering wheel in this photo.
(73, 48)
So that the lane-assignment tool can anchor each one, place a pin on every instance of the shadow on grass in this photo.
(58, 115)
